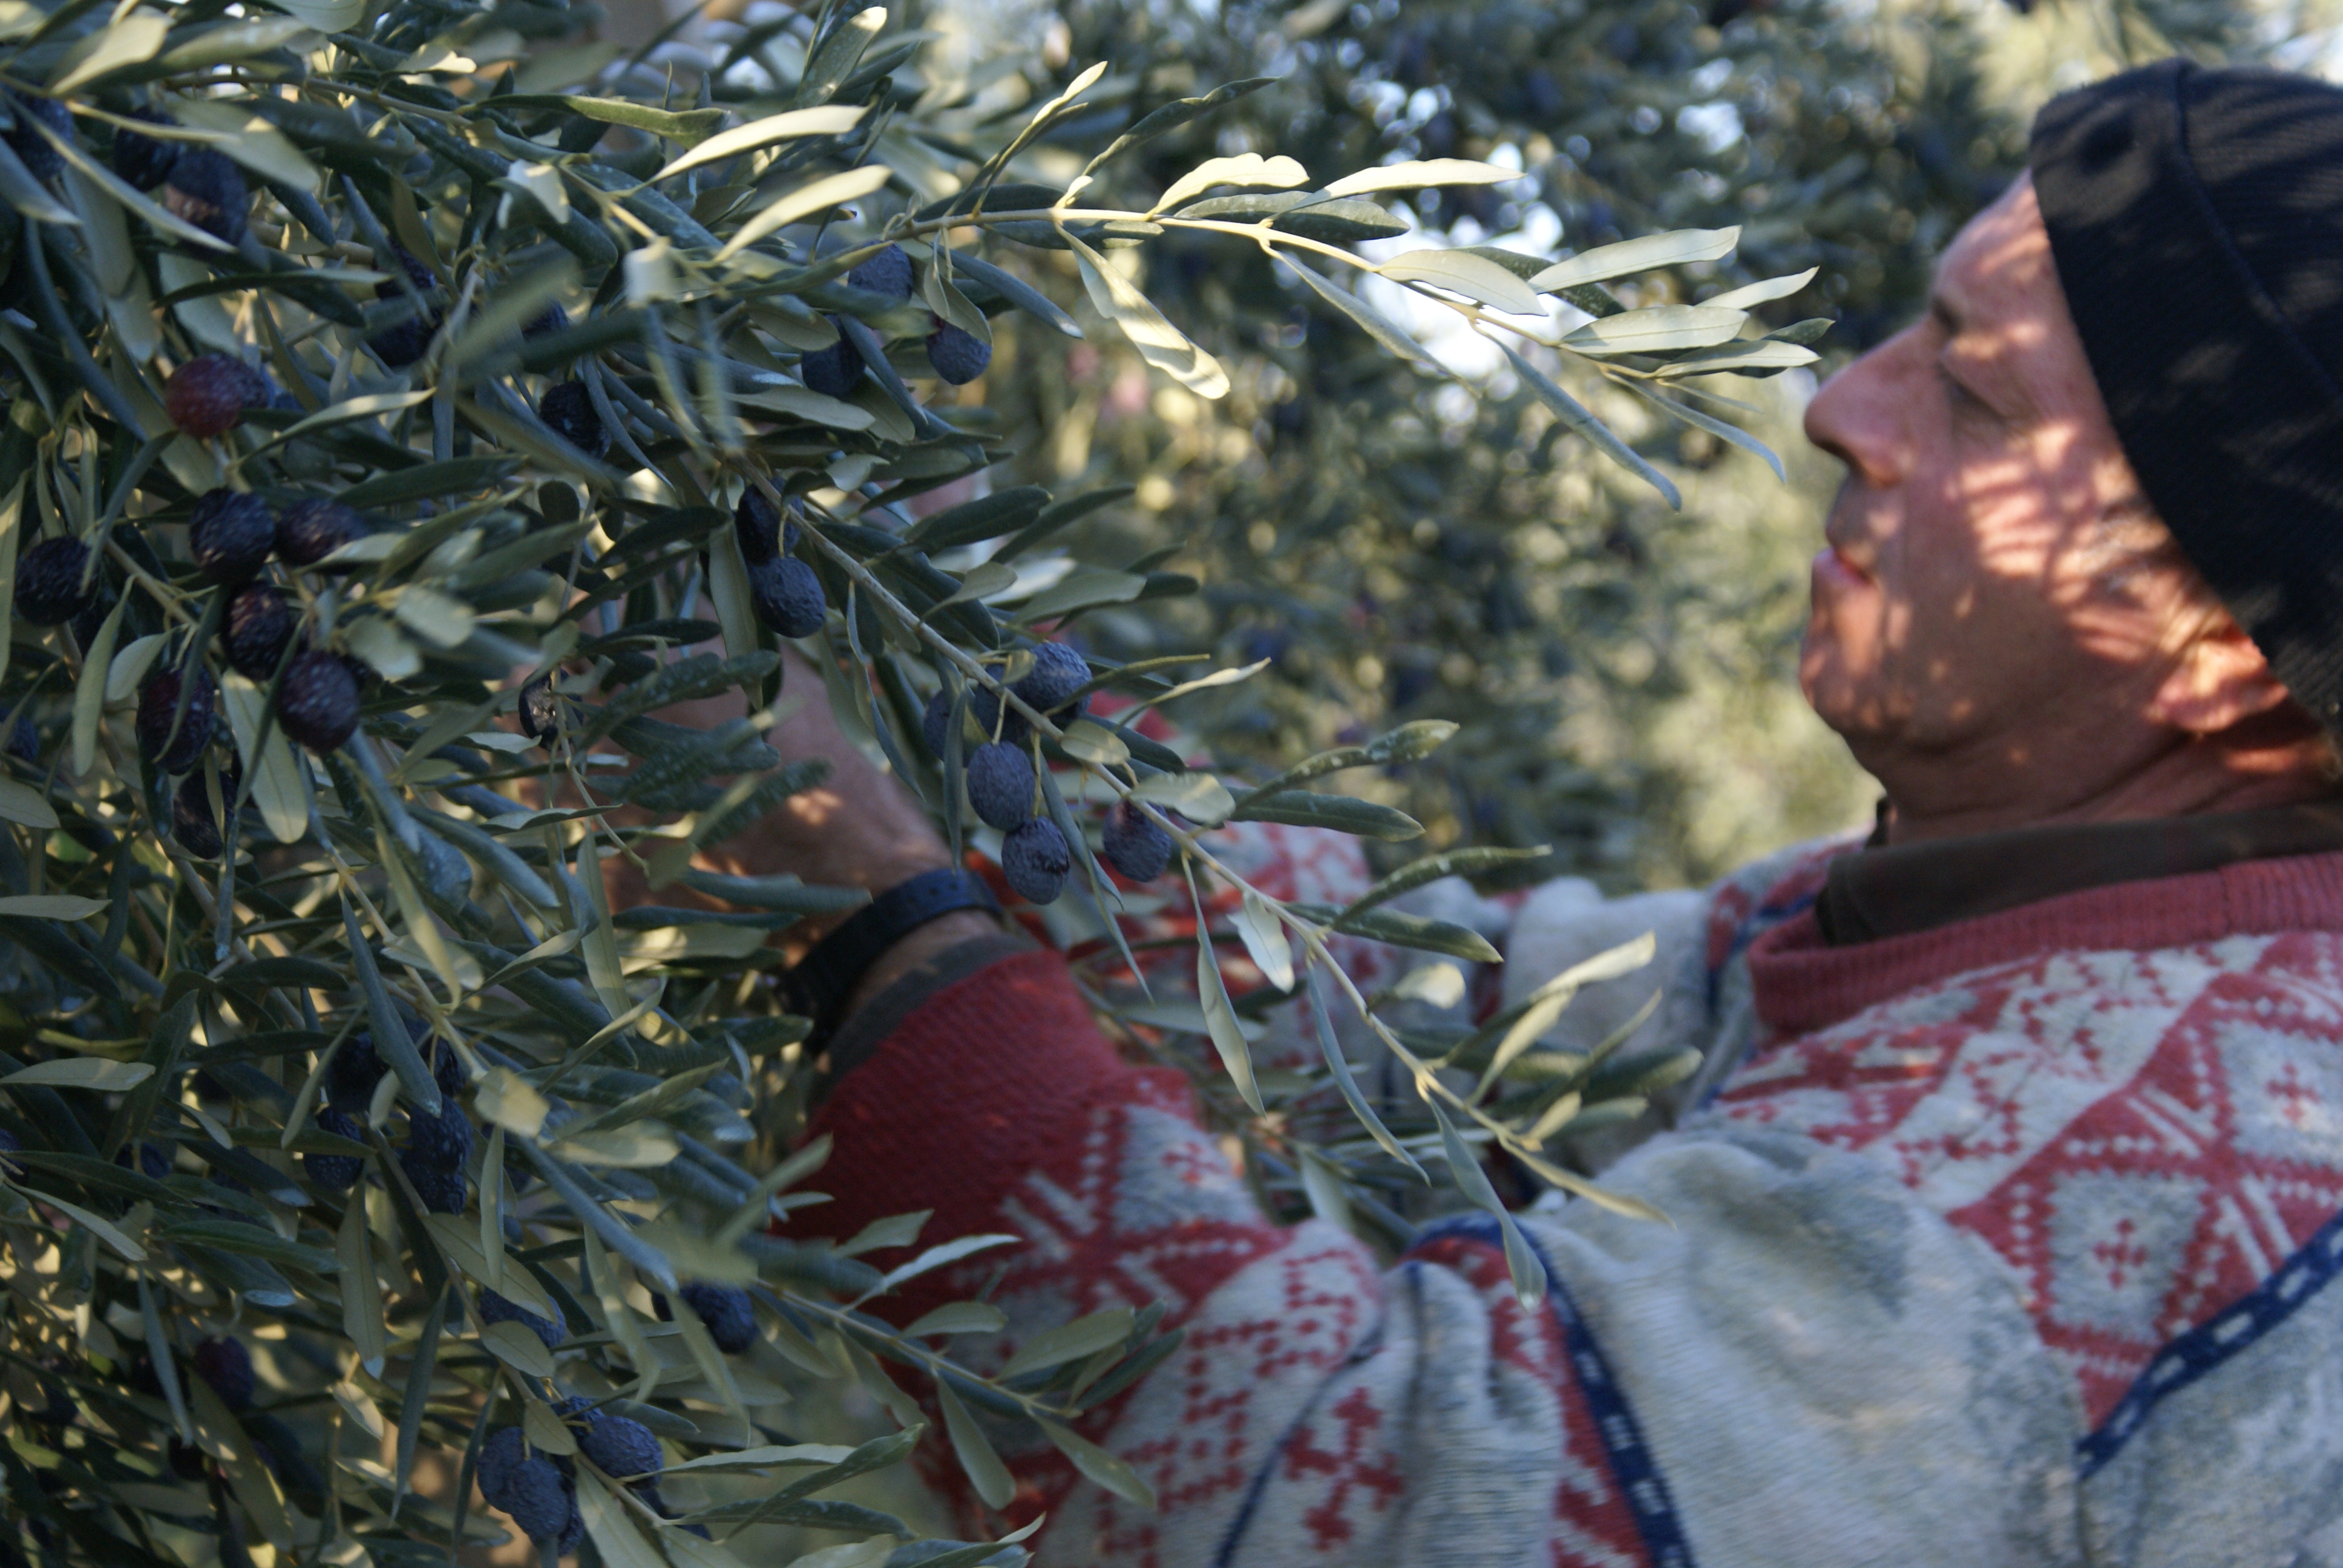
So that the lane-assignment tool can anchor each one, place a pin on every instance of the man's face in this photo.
(1992, 580)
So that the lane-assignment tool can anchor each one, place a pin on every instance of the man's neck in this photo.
(2237, 772)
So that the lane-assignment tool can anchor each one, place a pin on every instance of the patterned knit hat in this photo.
(2196, 218)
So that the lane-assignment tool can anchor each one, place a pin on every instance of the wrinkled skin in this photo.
(2002, 630)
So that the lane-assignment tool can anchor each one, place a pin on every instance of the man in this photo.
(2004, 1213)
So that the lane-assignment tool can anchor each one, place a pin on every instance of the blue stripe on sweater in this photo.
(2235, 1326)
(1368, 1346)
(1633, 1470)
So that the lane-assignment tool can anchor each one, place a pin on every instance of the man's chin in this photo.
(1839, 655)
(1842, 697)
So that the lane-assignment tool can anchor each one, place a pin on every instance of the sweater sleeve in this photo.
(1806, 1365)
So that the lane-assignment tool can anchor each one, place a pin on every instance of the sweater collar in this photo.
(1894, 890)
(1803, 983)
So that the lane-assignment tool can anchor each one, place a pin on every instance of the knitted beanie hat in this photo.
(2196, 219)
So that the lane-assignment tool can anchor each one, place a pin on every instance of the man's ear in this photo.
(2219, 682)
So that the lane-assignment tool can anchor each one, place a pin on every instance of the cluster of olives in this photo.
(539, 1491)
(210, 394)
(955, 354)
(231, 535)
(438, 1150)
(199, 184)
(1001, 770)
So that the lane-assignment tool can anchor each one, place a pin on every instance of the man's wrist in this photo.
(873, 877)
(914, 948)
(826, 980)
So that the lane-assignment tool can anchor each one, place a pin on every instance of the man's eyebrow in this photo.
(1981, 376)
(1952, 370)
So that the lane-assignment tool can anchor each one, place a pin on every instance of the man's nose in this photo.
(1862, 415)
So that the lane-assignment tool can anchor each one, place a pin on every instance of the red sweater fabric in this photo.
(974, 1089)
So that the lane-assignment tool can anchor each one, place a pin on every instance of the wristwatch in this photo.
(817, 985)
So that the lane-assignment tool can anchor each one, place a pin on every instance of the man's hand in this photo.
(860, 828)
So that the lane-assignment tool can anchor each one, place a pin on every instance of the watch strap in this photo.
(818, 984)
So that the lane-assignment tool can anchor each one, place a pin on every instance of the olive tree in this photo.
(408, 404)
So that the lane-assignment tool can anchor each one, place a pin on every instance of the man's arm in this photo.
(1805, 1366)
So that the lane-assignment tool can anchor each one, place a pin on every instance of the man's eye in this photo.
(1963, 400)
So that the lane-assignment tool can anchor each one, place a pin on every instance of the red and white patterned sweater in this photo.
(2004, 1243)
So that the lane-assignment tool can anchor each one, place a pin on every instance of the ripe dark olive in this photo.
(49, 587)
(210, 394)
(787, 595)
(834, 371)
(1036, 859)
(757, 522)
(317, 703)
(956, 356)
(192, 822)
(1000, 785)
(259, 626)
(727, 1311)
(145, 161)
(158, 704)
(35, 151)
(935, 724)
(404, 344)
(986, 709)
(568, 411)
(230, 534)
(335, 1172)
(1134, 845)
(539, 710)
(309, 531)
(226, 1365)
(1057, 674)
(888, 271)
(206, 188)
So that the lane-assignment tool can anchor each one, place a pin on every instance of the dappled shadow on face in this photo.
(1992, 565)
